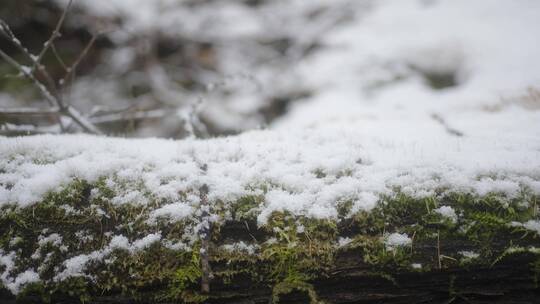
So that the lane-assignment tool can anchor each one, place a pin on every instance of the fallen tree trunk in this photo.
(511, 281)
(169, 229)
(509, 277)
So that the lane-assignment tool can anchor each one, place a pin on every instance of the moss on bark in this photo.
(291, 258)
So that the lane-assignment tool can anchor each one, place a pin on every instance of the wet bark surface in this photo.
(511, 281)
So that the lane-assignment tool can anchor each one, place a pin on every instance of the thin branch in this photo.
(129, 116)
(447, 127)
(71, 70)
(55, 98)
(6, 30)
(58, 58)
(81, 120)
(28, 111)
(68, 111)
(55, 34)
(28, 74)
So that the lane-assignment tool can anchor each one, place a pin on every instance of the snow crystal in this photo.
(176, 246)
(241, 247)
(76, 266)
(29, 276)
(175, 212)
(119, 242)
(55, 239)
(8, 261)
(344, 241)
(366, 201)
(447, 212)
(146, 241)
(283, 160)
(469, 254)
(26, 70)
(395, 240)
(533, 225)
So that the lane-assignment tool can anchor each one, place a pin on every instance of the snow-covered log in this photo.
(332, 215)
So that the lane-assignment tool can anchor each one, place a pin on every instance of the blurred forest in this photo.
(216, 67)
(204, 68)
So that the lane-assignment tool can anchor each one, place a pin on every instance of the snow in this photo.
(469, 254)
(14, 284)
(533, 225)
(146, 241)
(27, 277)
(241, 247)
(366, 202)
(357, 167)
(55, 239)
(447, 212)
(344, 241)
(395, 240)
(175, 212)
(8, 263)
(76, 266)
(491, 47)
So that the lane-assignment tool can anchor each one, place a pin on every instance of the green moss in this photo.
(295, 251)
(186, 276)
(245, 207)
(303, 250)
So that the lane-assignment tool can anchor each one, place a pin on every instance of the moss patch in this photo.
(288, 255)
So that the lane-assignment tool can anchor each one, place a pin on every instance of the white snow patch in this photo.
(174, 212)
(533, 225)
(447, 212)
(241, 247)
(55, 239)
(469, 254)
(344, 241)
(29, 276)
(146, 241)
(395, 240)
(76, 266)
(416, 266)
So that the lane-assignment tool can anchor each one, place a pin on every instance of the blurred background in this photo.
(177, 68)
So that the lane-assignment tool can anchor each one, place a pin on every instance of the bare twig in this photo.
(81, 120)
(438, 118)
(51, 91)
(53, 101)
(129, 116)
(71, 69)
(58, 58)
(27, 72)
(55, 34)
(6, 30)
(28, 111)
